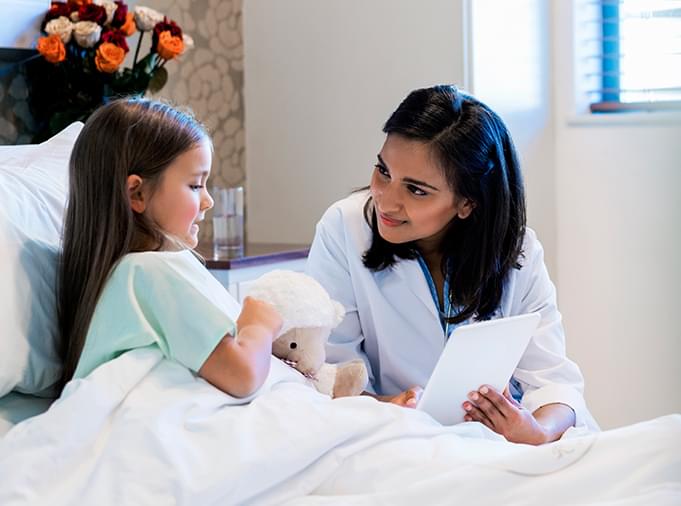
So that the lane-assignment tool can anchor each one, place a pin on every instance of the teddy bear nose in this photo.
(293, 346)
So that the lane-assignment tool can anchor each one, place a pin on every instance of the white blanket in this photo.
(142, 430)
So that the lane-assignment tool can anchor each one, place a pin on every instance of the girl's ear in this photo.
(465, 208)
(137, 201)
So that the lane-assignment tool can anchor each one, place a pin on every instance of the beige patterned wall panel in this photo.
(209, 79)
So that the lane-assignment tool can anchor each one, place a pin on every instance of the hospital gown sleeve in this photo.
(184, 307)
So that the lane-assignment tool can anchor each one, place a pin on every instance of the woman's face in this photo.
(412, 198)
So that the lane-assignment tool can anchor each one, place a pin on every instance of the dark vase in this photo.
(67, 92)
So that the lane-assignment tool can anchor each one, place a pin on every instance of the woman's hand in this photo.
(408, 399)
(505, 416)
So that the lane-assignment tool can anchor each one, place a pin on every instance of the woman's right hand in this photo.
(408, 399)
(258, 313)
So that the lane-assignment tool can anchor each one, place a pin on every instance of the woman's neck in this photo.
(430, 250)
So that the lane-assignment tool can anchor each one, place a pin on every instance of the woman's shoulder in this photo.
(532, 250)
(348, 211)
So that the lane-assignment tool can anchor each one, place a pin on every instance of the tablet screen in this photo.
(481, 353)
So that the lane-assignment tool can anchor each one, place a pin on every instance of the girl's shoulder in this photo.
(158, 261)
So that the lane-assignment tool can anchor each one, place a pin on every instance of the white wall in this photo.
(20, 22)
(321, 77)
(619, 245)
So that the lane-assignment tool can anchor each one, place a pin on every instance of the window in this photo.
(639, 56)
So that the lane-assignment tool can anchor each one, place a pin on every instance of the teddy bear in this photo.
(308, 315)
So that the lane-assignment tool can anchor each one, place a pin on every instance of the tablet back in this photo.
(475, 354)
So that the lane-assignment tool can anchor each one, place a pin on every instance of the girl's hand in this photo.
(504, 415)
(258, 313)
(408, 399)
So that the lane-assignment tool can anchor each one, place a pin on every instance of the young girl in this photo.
(128, 277)
(440, 240)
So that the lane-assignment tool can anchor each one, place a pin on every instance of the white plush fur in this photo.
(299, 298)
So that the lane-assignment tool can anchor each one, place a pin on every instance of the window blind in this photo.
(635, 50)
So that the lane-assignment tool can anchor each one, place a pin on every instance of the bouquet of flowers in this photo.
(83, 50)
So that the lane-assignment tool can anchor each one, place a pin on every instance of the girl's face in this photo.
(412, 199)
(181, 199)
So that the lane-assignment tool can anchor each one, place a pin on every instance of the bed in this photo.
(143, 430)
(16, 407)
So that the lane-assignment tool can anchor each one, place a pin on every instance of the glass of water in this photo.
(228, 222)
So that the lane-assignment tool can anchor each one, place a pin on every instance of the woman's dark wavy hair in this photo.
(122, 138)
(474, 149)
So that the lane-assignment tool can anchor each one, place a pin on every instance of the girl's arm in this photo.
(239, 365)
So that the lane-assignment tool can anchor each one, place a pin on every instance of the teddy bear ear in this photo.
(339, 312)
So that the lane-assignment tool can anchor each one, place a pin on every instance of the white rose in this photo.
(61, 26)
(188, 42)
(146, 18)
(87, 33)
(110, 7)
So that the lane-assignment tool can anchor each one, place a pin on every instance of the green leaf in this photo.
(158, 80)
(146, 64)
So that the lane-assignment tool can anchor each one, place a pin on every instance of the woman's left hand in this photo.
(504, 415)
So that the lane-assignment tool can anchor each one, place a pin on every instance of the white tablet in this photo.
(482, 353)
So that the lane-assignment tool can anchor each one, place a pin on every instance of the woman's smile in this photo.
(390, 221)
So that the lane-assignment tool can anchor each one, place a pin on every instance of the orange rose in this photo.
(79, 3)
(168, 46)
(128, 28)
(52, 48)
(109, 57)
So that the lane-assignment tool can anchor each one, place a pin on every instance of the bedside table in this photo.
(236, 274)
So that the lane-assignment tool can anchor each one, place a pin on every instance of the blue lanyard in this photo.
(446, 311)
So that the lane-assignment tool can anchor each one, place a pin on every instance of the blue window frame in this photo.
(640, 55)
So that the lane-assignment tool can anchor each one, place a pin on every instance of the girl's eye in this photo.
(382, 170)
(416, 190)
(195, 187)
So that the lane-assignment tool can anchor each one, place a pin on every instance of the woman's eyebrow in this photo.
(409, 179)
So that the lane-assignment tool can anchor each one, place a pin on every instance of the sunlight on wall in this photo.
(501, 31)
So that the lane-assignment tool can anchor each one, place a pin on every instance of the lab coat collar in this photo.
(411, 274)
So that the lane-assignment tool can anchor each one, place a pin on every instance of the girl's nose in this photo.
(207, 201)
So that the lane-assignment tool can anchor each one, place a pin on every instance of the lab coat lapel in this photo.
(409, 271)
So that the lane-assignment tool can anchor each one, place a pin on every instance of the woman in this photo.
(439, 240)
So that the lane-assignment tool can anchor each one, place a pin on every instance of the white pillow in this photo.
(33, 189)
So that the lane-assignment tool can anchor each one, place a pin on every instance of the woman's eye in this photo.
(382, 170)
(416, 190)
(195, 187)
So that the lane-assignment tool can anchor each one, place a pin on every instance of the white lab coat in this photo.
(392, 322)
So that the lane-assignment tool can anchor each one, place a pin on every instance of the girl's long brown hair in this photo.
(122, 138)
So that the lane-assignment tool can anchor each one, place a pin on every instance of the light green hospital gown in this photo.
(167, 300)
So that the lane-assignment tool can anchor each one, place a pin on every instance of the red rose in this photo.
(115, 37)
(120, 15)
(57, 9)
(167, 25)
(92, 12)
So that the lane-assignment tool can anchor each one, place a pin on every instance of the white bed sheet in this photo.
(16, 407)
(142, 430)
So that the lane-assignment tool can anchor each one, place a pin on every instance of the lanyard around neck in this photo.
(445, 312)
